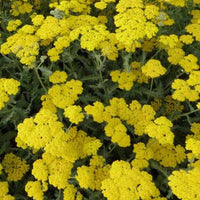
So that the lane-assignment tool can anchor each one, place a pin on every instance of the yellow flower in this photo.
(65, 94)
(39, 131)
(186, 39)
(58, 77)
(183, 91)
(74, 114)
(73, 145)
(153, 68)
(96, 111)
(70, 192)
(161, 130)
(38, 20)
(151, 11)
(40, 170)
(3, 189)
(175, 55)
(7, 87)
(100, 5)
(117, 131)
(166, 154)
(14, 166)
(189, 63)
(34, 190)
(13, 24)
(185, 184)
(125, 182)
(91, 177)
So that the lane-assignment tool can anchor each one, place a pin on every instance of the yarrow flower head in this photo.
(153, 68)
(14, 166)
(161, 130)
(131, 183)
(7, 87)
(58, 77)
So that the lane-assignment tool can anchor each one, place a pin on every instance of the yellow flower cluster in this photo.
(20, 7)
(125, 183)
(24, 44)
(117, 131)
(65, 94)
(92, 176)
(7, 87)
(169, 41)
(57, 169)
(14, 166)
(74, 114)
(167, 155)
(134, 114)
(76, 6)
(39, 131)
(194, 27)
(140, 116)
(133, 22)
(186, 39)
(53, 169)
(48, 104)
(175, 55)
(73, 145)
(161, 130)
(112, 115)
(4, 191)
(185, 184)
(189, 89)
(136, 23)
(70, 193)
(193, 141)
(34, 190)
(58, 77)
(189, 63)
(143, 155)
(153, 68)
(13, 25)
(102, 4)
(126, 79)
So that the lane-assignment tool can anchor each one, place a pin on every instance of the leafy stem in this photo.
(38, 76)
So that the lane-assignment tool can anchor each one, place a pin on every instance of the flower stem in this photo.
(38, 76)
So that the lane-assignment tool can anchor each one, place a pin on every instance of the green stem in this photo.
(38, 76)
(59, 195)
(188, 119)
(115, 145)
(151, 86)
(169, 195)
(157, 52)
(159, 168)
(69, 127)
(100, 65)
(143, 59)
(186, 114)
(127, 58)
(174, 79)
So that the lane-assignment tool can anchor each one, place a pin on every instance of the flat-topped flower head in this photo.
(153, 68)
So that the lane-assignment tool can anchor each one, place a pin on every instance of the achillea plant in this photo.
(99, 99)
